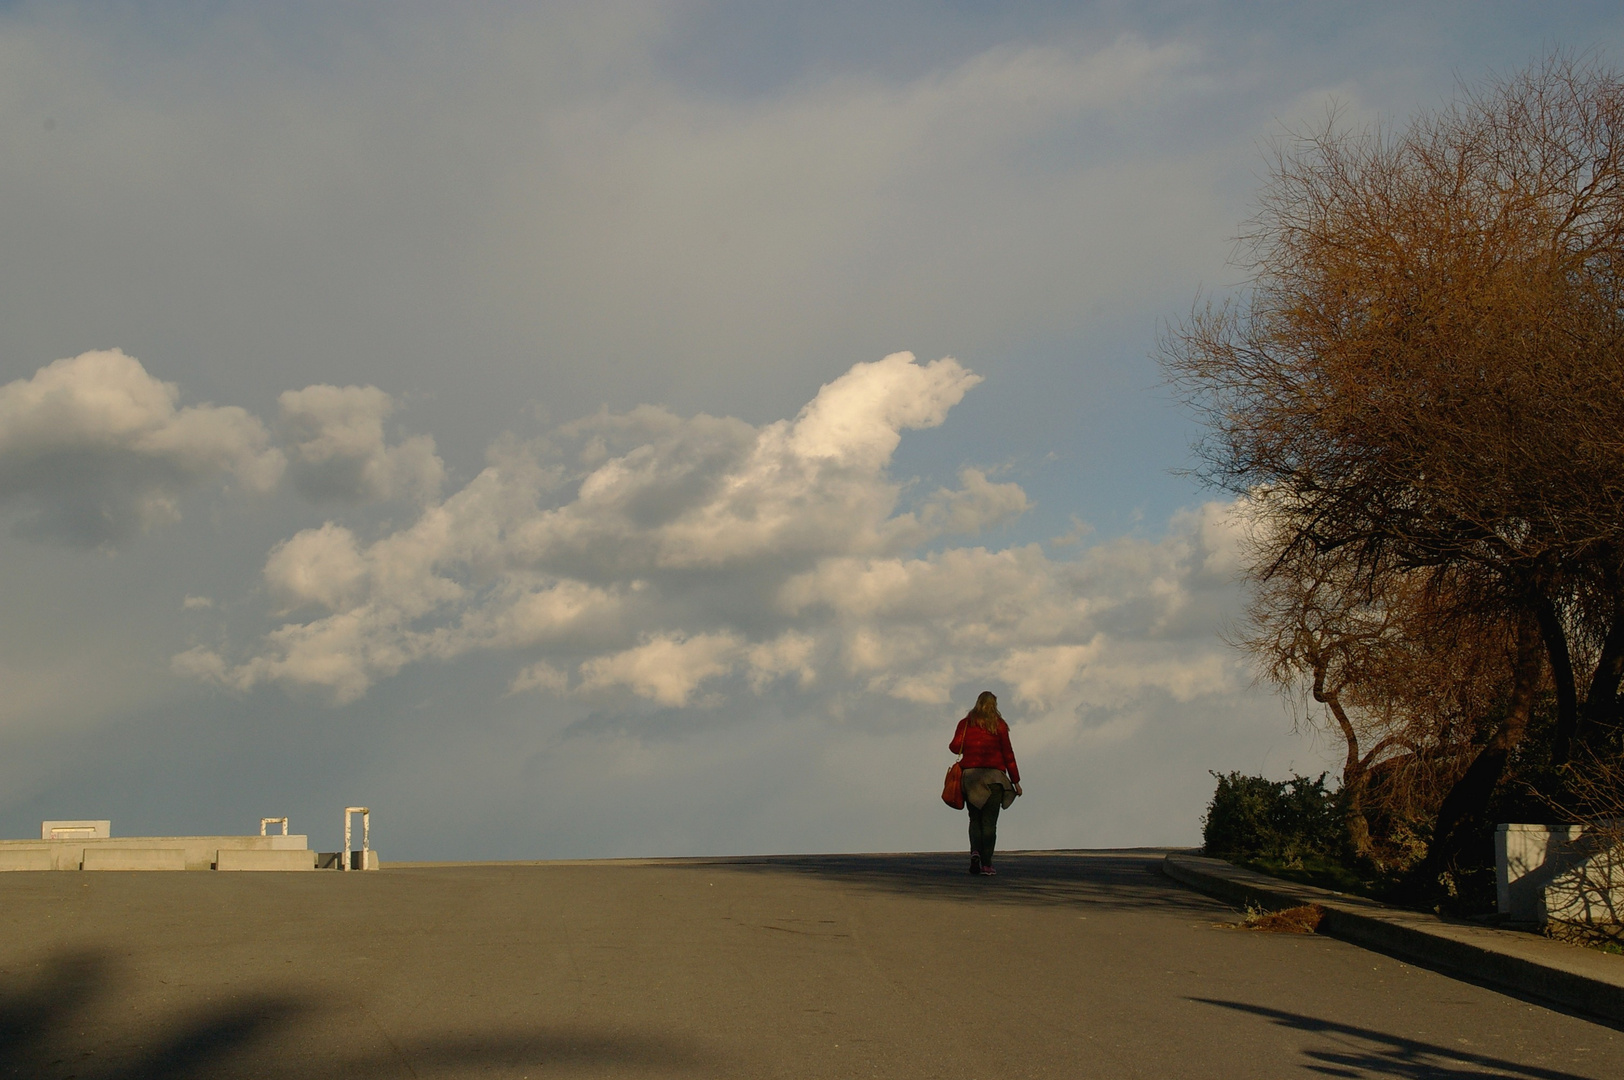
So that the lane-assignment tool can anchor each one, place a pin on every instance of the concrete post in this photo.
(366, 834)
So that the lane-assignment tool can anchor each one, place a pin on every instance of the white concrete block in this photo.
(75, 830)
(134, 858)
(27, 858)
(270, 859)
(364, 860)
(1590, 892)
(1525, 858)
(1561, 874)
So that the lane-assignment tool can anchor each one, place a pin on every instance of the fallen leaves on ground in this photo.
(1293, 920)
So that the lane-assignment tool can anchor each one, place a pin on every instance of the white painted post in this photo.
(264, 821)
(366, 834)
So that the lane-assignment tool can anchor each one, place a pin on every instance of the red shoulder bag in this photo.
(953, 785)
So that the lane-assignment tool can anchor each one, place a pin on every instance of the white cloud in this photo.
(93, 448)
(334, 436)
(977, 504)
(683, 560)
(667, 667)
(790, 653)
(857, 421)
(321, 567)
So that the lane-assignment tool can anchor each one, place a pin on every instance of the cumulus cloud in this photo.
(682, 560)
(94, 449)
(334, 438)
(318, 567)
(667, 668)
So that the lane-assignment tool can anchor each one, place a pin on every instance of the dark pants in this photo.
(984, 825)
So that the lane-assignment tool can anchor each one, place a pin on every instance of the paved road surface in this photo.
(1067, 965)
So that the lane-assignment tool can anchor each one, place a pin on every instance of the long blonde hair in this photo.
(985, 715)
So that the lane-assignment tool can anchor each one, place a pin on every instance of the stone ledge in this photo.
(1583, 980)
(38, 857)
(241, 859)
(134, 858)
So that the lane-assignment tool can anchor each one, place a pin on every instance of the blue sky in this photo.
(501, 431)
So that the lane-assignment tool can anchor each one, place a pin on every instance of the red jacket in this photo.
(984, 750)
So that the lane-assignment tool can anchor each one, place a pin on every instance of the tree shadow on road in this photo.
(71, 1020)
(49, 1026)
(1363, 1052)
(1126, 878)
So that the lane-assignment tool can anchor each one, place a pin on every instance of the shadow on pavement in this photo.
(1130, 878)
(70, 1022)
(49, 1024)
(1364, 1052)
(592, 1053)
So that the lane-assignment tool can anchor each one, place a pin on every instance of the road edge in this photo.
(1578, 979)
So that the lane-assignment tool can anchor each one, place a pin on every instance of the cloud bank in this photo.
(684, 562)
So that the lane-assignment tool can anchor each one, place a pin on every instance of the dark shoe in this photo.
(975, 864)
(988, 871)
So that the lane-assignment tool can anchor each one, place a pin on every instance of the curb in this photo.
(1583, 980)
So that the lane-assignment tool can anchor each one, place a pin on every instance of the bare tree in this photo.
(1424, 380)
(1401, 671)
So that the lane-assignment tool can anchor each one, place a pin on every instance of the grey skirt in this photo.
(982, 784)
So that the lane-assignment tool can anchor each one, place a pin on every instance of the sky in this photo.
(634, 429)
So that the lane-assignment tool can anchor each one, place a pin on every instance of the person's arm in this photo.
(957, 743)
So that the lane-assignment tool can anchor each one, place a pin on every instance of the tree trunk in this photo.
(1461, 816)
(1601, 703)
(1354, 772)
(1567, 703)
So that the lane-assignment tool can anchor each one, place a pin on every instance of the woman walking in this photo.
(991, 777)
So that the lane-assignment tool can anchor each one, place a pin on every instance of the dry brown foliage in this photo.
(1420, 397)
(1294, 920)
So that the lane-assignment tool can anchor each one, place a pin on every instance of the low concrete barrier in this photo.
(27, 858)
(243, 859)
(197, 852)
(134, 858)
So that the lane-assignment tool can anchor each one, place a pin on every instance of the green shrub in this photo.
(1285, 820)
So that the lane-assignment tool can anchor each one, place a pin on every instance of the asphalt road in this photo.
(1066, 965)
